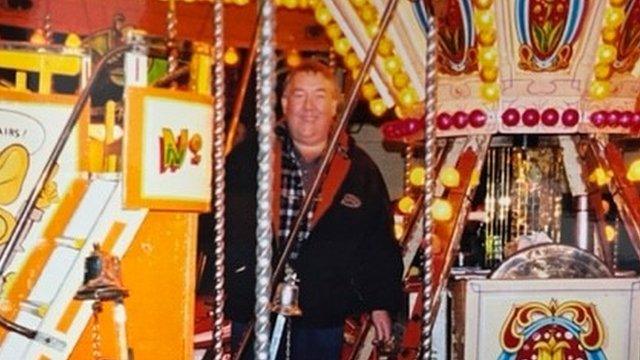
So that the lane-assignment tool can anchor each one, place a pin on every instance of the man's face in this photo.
(309, 107)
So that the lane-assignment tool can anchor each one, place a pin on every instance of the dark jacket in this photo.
(350, 263)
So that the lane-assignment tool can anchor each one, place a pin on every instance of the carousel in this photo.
(516, 123)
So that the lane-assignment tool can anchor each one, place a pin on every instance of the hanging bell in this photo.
(102, 278)
(285, 301)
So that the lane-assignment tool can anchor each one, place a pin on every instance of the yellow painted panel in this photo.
(159, 271)
(32, 61)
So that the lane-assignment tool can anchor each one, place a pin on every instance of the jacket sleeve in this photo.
(380, 272)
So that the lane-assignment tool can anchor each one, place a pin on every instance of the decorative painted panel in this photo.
(546, 32)
(629, 42)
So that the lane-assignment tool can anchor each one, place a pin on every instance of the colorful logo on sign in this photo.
(554, 331)
(173, 150)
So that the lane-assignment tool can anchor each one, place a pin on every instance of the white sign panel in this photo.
(168, 150)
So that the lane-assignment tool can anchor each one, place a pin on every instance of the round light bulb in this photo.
(408, 97)
(377, 107)
(293, 58)
(416, 176)
(406, 205)
(610, 233)
(323, 15)
(449, 177)
(392, 64)
(441, 210)
(333, 31)
(231, 56)
(490, 91)
(385, 47)
(369, 91)
(400, 79)
(633, 173)
(342, 46)
(599, 89)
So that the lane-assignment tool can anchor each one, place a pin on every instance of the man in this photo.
(345, 255)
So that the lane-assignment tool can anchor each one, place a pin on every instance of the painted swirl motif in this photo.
(546, 32)
(629, 42)
(554, 330)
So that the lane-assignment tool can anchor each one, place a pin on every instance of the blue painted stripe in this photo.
(522, 21)
(576, 9)
(467, 12)
(421, 15)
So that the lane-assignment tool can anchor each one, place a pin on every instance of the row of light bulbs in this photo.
(441, 209)
(605, 55)
(406, 96)
(232, 57)
(602, 177)
(342, 47)
(487, 50)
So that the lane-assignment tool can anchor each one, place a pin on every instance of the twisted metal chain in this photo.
(172, 32)
(219, 173)
(408, 163)
(95, 332)
(429, 186)
(48, 32)
(265, 122)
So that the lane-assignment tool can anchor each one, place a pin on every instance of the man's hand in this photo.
(382, 322)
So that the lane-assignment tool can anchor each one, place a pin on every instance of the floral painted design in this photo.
(456, 37)
(546, 32)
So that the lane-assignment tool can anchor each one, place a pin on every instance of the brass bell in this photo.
(102, 278)
(285, 301)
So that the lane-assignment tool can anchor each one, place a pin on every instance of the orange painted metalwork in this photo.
(36, 261)
(159, 272)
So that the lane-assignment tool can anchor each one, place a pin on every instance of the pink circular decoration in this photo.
(510, 117)
(550, 117)
(444, 121)
(460, 119)
(635, 119)
(412, 125)
(598, 118)
(625, 119)
(570, 117)
(530, 117)
(613, 118)
(477, 118)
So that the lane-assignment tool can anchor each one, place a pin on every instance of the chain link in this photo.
(95, 332)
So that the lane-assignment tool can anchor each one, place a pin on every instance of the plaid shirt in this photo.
(292, 195)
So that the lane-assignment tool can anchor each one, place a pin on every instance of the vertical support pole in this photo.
(219, 174)
(583, 240)
(135, 61)
(429, 186)
(265, 122)
(172, 31)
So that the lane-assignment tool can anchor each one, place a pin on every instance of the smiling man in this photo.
(345, 255)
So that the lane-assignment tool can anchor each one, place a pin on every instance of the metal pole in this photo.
(266, 82)
(429, 186)
(238, 101)
(582, 223)
(219, 174)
